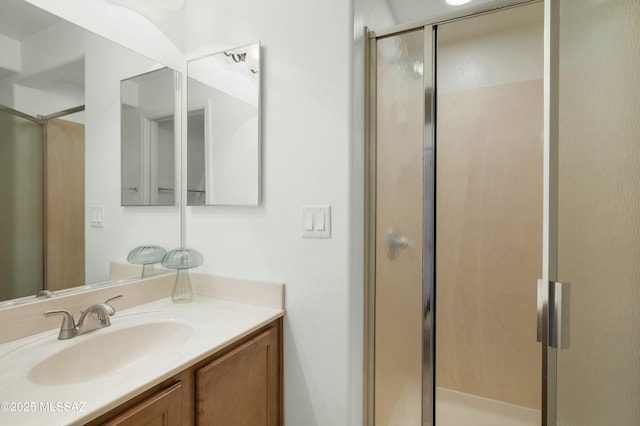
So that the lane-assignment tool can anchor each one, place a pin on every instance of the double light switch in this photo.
(97, 216)
(316, 221)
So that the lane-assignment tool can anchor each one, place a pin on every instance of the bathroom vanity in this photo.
(239, 385)
(215, 361)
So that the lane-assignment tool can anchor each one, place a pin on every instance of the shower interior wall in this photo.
(489, 204)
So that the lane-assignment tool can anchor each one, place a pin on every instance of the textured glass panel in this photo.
(488, 218)
(599, 211)
(21, 213)
(399, 203)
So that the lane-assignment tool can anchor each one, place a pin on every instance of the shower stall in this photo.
(484, 178)
(22, 213)
(42, 189)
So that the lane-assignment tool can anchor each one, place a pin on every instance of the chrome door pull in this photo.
(559, 309)
(559, 298)
(540, 313)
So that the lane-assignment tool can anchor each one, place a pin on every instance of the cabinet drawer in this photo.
(162, 409)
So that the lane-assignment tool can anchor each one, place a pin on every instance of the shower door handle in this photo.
(540, 323)
(559, 297)
(395, 243)
(559, 319)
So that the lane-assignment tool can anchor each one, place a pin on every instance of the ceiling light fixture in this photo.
(167, 4)
(457, 2)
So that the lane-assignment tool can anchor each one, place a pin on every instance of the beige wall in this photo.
(489, 205)
(489, 241)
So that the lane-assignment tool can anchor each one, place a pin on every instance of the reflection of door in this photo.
(595, 168)
(196, 156)
(64, 205)
(148, 158)
(161, 164)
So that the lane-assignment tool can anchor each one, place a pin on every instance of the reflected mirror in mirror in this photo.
(223, 128)
(61, 223)
(148, 138)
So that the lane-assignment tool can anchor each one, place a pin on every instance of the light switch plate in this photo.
(316, 221)
(97, 216)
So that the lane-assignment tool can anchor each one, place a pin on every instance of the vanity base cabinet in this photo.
(240, 385)
(242, 388)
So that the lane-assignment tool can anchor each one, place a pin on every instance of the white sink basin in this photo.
(144, 346)
(109, 350)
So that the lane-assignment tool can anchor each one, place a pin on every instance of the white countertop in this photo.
(216, 323)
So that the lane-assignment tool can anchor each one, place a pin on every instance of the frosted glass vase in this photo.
(182, 260)
(182, 292)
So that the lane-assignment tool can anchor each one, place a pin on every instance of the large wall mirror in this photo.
(149, 138)
(223, 136)
(61, 219)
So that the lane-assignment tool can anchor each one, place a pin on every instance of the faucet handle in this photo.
(112, 298)
(68, 327)
(67, 321)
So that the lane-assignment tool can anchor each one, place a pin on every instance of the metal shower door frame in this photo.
(428, 261)
(550, 194)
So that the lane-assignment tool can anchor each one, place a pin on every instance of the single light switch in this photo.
(320, 220)
(308, 220)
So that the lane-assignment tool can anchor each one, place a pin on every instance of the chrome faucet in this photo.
(70, 329)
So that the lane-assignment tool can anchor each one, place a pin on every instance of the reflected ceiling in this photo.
(16, 27)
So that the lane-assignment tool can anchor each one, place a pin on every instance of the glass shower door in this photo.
(21, 211)
(598, 375)
(402, 149)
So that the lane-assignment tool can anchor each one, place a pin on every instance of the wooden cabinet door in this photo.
(243, 387)
(162, 409)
